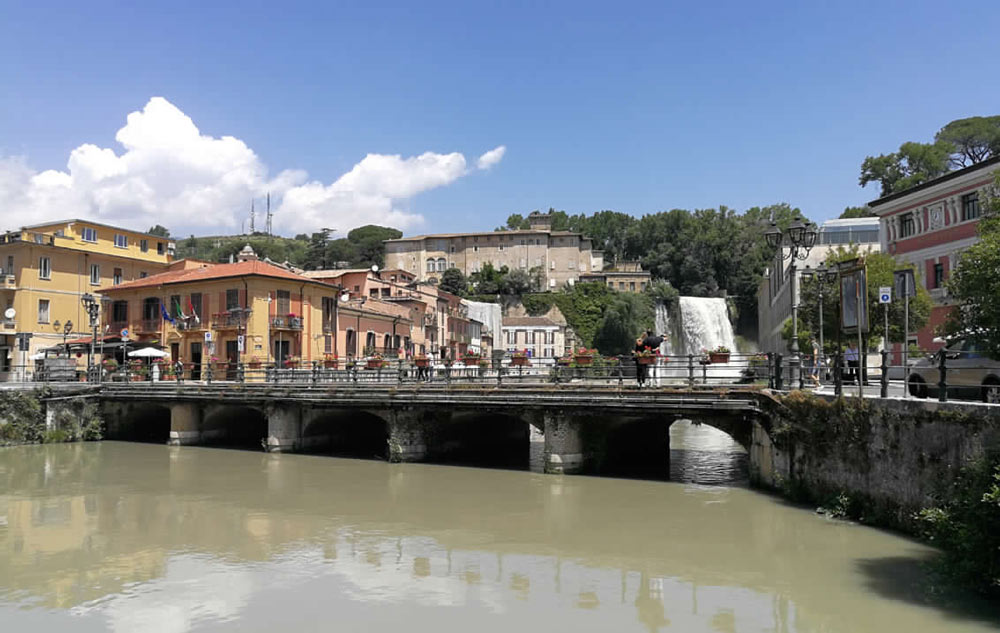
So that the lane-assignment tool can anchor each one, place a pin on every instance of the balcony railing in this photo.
(189, 323)
(286, 322)
(227, 319)
(150, 325)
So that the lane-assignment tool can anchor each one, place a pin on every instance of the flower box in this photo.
(520, 361)
(583, 359)
(375, 363)
(645, 360)
(422, 362)
(331, 363)
(718, 357)
(564, 361)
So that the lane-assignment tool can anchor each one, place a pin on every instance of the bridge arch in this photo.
(138, 422)
(359, 433)
(490, 437)
(232, 425)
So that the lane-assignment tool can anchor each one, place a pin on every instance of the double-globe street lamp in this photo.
(823, 276)
(93, 307)
(798, 238)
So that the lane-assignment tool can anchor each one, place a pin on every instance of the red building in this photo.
(930, 225)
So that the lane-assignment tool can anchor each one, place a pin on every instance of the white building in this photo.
(540, 336)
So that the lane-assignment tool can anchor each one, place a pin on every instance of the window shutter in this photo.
(929, 273)
(243, 297)
(222, 301)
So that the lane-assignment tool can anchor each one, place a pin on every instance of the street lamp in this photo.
(93, 307)
(823, 276)
(799, 238)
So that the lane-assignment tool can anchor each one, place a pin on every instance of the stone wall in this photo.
(879, 461)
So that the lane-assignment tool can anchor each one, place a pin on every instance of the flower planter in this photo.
(583, 359)
(645, 360)
(520, 361)
(718, 357)
(375, 363)
(422, 362)
(564, 362)
(331, 364)
(254, 364)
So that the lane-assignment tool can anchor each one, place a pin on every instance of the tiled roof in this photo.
(216, 271)
(528, 322)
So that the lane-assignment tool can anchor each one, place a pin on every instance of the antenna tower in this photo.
(269, 214)
(252, 214)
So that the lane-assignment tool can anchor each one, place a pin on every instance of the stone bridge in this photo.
(577, 429)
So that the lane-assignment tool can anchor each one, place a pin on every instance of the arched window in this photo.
(442, 265)
(386, 342)
(430, 265)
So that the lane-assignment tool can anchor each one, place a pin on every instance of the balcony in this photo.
(150, 325)
(227, 320)
(189, 324)
(114, 327)
(287, 322)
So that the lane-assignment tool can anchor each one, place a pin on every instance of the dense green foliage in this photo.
(961, 143)
(453, 281)
(160, 230)
(975, 283)
(22, 419)
(965, 526)
(880, 268)
(361, 248)
(857, 212)
(625, 319)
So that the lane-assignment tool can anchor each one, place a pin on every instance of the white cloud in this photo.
(491, 157)
(170, 173)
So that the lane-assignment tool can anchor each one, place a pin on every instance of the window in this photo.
(10, 265)
(571, 265)
(89, 234)
(151, 309)
(531, 337)
(161, 248)
(475, 249)
(938, 275)
(373, 292)
(119, 312)
(352, 341)
(631, 286)
(548, 352)
(95, 274)
(441, 264)
(117, 278)
(370, 341)
(552, 265)
(970, 206)
(430, 266)
(143, 274)
(501, 247)
(43, 310)
(232, 299)
(284, 302)
(44, 268)
(907, 225)
(451, 249)
(121, 241)
(327, 344)
(621, 285)
(144, 245)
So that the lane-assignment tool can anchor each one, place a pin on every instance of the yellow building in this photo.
(47, 268)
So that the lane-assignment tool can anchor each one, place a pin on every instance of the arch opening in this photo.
(483, 439)
(143, 423)
(354, 434)
(636, 448)
(707, 452)
(235, 427)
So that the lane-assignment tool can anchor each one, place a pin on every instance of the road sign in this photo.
(208, 337)
(240, 340)
(124, 333)
(885, 294)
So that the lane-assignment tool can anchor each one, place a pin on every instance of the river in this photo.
(140, 537)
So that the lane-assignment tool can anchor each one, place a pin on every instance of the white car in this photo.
(969, 373)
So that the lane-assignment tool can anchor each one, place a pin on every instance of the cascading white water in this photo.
(705, 324)
(663, 327)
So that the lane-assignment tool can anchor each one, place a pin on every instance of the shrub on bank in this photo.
(22, 419)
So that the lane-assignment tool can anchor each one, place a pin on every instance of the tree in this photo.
(159, 230)
(974, 140)
(453, 281)
(316, 253)
(517, 282)
(487, 280)
(626, 317)
(913, 164)
(975, 283)
(857, 212)
(369, 243)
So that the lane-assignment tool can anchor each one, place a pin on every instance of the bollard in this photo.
(315, 373)
(884, 392)
(691, 370)
(779, 383)
(943, 370)
(240, 376)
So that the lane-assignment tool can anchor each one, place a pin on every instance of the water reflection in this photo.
(131, 537)
(702, 454)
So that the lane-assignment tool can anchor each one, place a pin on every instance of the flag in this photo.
(180, 313)
(166, 315)
(193, 313)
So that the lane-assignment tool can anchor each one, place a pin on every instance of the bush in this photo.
(22, 419)
(965, 527)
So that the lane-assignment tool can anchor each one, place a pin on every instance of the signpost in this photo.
(885, 298)
(854, 308)
(905, 287)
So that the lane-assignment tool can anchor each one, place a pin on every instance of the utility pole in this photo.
(252, 214)
(269, 215)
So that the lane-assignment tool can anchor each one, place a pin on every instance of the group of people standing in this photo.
(815, 362)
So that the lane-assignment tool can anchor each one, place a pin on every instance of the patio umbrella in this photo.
(148, 352)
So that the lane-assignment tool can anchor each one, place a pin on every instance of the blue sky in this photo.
(631, 107)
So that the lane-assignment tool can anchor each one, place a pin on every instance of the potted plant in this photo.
(138, 371)
(167, 371)
(564, 361)
(647, 356)
(520, 359)
(584, 356)
(330, 361)
(719, 355)
(292, 362)
(254, 362)
(375, 361)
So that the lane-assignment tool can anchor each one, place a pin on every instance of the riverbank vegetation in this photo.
(22, 419)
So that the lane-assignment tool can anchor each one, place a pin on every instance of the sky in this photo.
(441, 117)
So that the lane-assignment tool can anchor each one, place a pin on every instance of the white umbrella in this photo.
(148, 352)
(38, 356)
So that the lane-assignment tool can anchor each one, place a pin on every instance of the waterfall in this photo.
(704, 324)
(663, 327)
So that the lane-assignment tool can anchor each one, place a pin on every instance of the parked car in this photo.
(970, 374)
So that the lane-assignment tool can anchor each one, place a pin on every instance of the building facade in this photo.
(559, 257)
(540, 336)
(623, 277)
(774, 303)
(929, 226)
(47, 268)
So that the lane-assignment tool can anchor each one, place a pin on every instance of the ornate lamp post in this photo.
(93, 307)
(798, 238)
(67, 328)
(823, 277)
